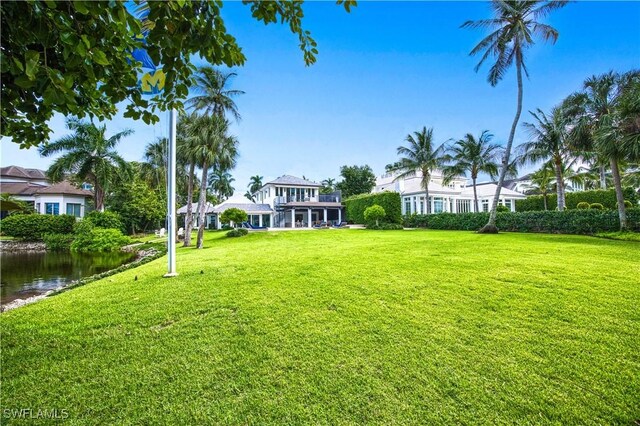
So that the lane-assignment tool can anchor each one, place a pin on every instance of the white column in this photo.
(260, 220)
(339, 216)
(325, 215)
(293, 218)
(308, 218)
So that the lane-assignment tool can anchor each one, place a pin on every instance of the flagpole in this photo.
(171, 197)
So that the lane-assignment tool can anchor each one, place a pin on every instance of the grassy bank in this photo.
(343, 326)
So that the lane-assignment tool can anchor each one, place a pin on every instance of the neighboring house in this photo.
(34, 188)
(455, 197)
(297, 202)
(523, 184)
(285, 202)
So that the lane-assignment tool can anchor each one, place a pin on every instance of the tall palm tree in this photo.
(215, 149)
(474, 156)
(187, 153)
(601, 129)
(213, 96)
(420, 154)
(255, 183)
(328, 186)
(89, 156)
(542, 181)
(249, 195)
(221, 183)
(513, 27)
(550, 142)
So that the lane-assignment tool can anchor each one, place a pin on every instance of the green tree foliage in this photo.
(33, 227)
(389, 201)
(422, 155)
(356, 180)
(107, 220)
(606, 197)
(328, 186)
(374, 213)
(512, 29)
(234, 215)
(255, 183)
(140, 206)
(88, 155)
(72, 57)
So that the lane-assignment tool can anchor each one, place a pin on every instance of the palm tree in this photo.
(220, 183)
(601, 128)
(214, 97)
(421, 154)
(214, 149)
(542, 182)
(549, 142)
(89, 156)
(474, 156)
(187, 153)
(328, 186)
(513, 27)
(255, 183)
(249, 195)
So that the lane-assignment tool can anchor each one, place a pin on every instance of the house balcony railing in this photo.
(322, 198)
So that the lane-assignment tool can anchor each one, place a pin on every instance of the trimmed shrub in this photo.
(98, 239)
(565, 222)
(389, 201)
(234, 215)
(33, 227)
(374, 213)
(596, 206)
(606, 197)
(502, 209)
(239, 232)
(107, 220)
(627, 204)
(386, 227)
(58, 242)
(582, 205)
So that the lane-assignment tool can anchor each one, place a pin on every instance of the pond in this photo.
(25, 274)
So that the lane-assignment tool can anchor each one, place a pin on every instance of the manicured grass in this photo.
(623, 236)
(343, 327)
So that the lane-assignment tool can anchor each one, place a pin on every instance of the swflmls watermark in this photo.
(33, 413)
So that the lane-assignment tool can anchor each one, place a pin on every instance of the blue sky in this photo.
(385, 70)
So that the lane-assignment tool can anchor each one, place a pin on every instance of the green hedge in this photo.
(107, 220)
(389, 201)
(567, 222)
(99, 240)
(606, 197)
(33, 227)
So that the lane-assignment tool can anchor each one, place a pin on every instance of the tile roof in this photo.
(292, 180)
(247, 207)
(19, 188)
(64, 187)
(21, 172)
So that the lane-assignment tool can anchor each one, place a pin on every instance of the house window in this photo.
(438, 205)
(421, 205)
(52, 208)
(73, 209)
(485, 205)
(507, 203)
(463, 206)
(407, 205)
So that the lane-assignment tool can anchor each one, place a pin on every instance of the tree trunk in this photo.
(188, 220)
(202, 206)
(603, 178)
(622, 213)
(490, 227)
(544, 198)
(559, 184)
(426, 192)
(475, 193)
(98, 197)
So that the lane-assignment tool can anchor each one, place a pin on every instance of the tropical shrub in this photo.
(374, 213)
(386, 227)
(596, 206)
(107, 220)
(233, 215)
(389, 201)
(582, 205)
(238, 232)
(502, 209)
(58, 242)
(566, 222)
(606, 197)
(627, 204)
(33, 227)
(99, 240)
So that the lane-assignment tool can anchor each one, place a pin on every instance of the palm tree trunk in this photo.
(201, 206)
(98, 197)
(490, 227)
(544, 198)
(559, 184)
(475, 194)
(603, 178)
(426, 200)
(622, 213)
(188, 220)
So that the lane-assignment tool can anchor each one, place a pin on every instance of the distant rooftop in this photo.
(292, 180)
(22, 172)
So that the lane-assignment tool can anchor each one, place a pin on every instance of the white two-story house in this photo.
(454, 197)
(297, 202)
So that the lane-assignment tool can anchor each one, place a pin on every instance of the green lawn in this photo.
(343, 327)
